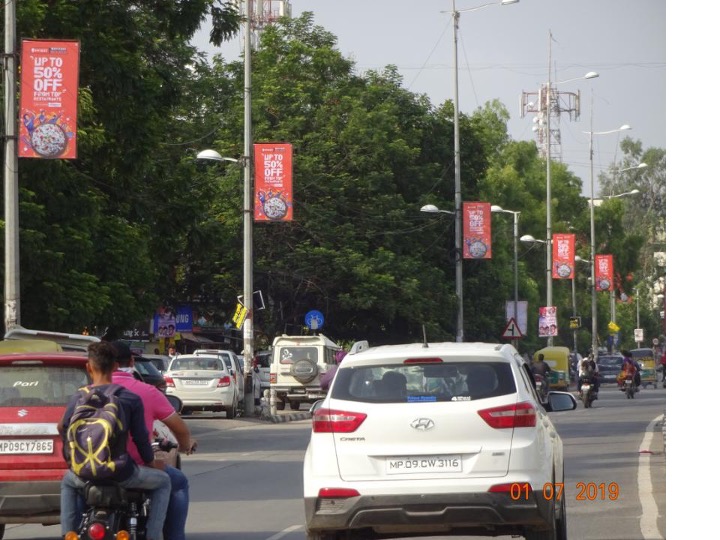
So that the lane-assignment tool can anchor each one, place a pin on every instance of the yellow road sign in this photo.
(240, 314)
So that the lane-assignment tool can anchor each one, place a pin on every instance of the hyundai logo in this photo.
(422, 424)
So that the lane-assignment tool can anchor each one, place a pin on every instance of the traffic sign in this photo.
(240, 314)
(512, 330)
(639, 335)
(575, 322)
(314, 319)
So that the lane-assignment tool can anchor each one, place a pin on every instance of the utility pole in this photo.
(10, 175)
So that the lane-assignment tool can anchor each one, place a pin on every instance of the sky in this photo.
(504, 51)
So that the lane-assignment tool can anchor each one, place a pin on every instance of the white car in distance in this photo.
(440, 438)
(203, 383)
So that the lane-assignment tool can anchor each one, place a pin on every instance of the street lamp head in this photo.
(508, 2)
(624, 127)
(530, 238)
(212, 155)
(592, 75)
(496, 208)
(431, 208)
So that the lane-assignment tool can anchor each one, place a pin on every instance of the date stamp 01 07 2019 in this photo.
(589, 491)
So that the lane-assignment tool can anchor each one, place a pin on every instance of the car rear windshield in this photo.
(29, 386)
(198, 362)
(290, 355)
(399, 383)
(607, 363)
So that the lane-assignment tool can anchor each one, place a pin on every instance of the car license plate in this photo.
(423, 464)
(196, 382)
(27, 446)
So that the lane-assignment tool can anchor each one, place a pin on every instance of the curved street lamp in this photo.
(248, 332)
(456, 139)
(516, 217)
(432, 209)
(548, 188)
(624, 127)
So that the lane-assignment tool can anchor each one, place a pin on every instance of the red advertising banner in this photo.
(547, 322)
(49, 72)
(604, 273)
(477, 238)
(563, 249)
(273, 182)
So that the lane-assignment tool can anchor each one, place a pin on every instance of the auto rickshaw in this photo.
(558, 358)
(646, 359)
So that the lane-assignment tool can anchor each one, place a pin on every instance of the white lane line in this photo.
(649, 517)
(285, 532)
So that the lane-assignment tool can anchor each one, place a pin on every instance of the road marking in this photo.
(648, 520)
(285, 532)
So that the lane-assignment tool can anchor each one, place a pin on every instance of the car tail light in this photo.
(423, 361)
(510, 416)
(512, 488)
(337, 493)
(334, 421)
(96, 531)
(224, 381)
(273, 377)
(169, 381)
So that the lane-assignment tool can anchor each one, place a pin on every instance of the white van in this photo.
(297, 363)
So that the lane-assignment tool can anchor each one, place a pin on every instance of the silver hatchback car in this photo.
(438, 438)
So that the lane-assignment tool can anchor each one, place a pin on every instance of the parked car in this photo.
(442, 437)
(35, 388)
(297, 365)
(232, 361)
(203, 383)
(149, 373)
(609, 367)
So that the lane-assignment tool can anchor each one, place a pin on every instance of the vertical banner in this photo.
(49, 72)
(604, 273)
(563, 249)
(273, 182)
(547, 322)
(477, 238)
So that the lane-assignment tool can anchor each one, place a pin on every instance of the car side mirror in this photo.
(560, 401)
(315, 406)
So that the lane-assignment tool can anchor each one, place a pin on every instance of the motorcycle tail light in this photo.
(96, 531)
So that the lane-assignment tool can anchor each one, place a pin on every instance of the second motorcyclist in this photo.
(542, 368)
(157, 407)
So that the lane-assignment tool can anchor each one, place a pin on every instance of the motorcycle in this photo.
(541, 386)
(587, 391)
(629, 387)
(116, 513)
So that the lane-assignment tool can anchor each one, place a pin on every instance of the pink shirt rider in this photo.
(156, 405)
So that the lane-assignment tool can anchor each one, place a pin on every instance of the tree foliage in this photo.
(136, 220)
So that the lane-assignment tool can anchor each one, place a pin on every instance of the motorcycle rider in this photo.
(542, 368)
(157, 407)
(588, 367)
(148, 475)
(630, 368)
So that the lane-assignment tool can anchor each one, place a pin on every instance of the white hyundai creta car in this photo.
(439, 438)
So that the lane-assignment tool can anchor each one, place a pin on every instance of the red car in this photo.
(35, 388)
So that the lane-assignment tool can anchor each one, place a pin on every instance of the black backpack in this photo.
(97, 435)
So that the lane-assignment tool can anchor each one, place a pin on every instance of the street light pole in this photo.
(593, 303)
(548, 186)
(458, 183)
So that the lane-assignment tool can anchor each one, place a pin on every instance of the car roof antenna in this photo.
(425, 343)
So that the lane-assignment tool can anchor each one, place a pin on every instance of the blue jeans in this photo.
(177, 511)
(148, 478)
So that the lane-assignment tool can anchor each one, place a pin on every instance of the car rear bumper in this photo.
(461, 513)
(30, 502)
